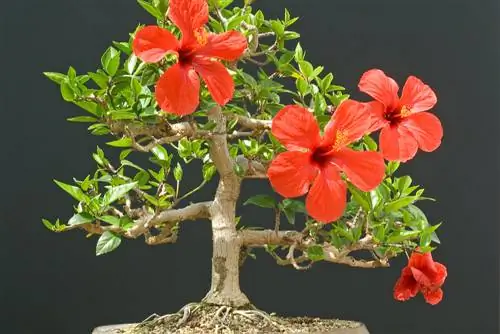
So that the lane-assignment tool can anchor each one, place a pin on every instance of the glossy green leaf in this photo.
(80, 218)
(108, 242)
(111, 61)
(124, 142)
(75, 192)
(115, 193)
(264, 201)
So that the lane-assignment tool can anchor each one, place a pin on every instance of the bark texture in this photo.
(225, 286)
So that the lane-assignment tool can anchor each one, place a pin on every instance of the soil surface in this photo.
(199, 318)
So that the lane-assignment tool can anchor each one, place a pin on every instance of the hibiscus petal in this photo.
(327, 198)
(417, 96)
(422, 261)
(296, 128)
(406, 287)
(291, 173)
(227, 46)
(435, 273)
(426, 128)
(349, 123)
(152, 43)
(422, 279)
(365, 170)
(177, 91)
(189, 16)
(219, 82)
(433, 297)
(441, 274)
(397, 144)
(381, 87)
(377, 114)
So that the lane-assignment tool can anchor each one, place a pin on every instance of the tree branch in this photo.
(252, 123)
(298, 241)
(252, 169)
(252, 238)
(219, 152)
(190, 212)
(168, 218)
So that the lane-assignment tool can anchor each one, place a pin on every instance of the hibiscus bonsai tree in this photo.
(226, 86)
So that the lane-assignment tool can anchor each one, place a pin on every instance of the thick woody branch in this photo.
(252, 123)
(165, 221)
(190, 212)
(298, 241)
(252, 238)
(219, 151)
(159, 130)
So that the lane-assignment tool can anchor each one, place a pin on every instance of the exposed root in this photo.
(208, 319)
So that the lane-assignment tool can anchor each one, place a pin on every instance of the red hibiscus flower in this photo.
(177, 91)
(406, 126)
(424, 275)
(315, 160)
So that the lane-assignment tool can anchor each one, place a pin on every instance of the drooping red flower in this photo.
(317, 160)
(424, 275)
(177, 91)
(405, 124)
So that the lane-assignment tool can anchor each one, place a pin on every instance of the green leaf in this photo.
(403, 183)
(392, 167)
(58, 78)
(161, 153)
(239, 170)
(122, 114)
(402, 236)
(81, 218)
(360, 197)
(67, 92)
(264, 201)
(142, 178)
(75, 192)
(131, 164)
(399, 203)
(110, 61)
(278, 27)
(152, 199)
(110, 220)
(131, 63)
(429, 235)
(290, 208)
(315, 253)
(83, 119)
(326, 82)
(150, 9)
(294, 205)
(108, 242)
(299, 53)
(115, 193)
(306, 68)
(209, 171)
(124, 142)
(178, 173)
(370, 143)
(100, 79)
(126, 222)
(48, 225)
(91, 107)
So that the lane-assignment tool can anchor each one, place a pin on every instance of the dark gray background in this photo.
(54, 284)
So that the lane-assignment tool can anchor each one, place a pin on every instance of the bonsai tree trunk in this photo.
(225, 286)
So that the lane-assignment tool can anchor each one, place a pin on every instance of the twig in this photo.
(293, 261)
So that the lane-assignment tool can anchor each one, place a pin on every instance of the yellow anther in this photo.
(405, 111)
(201, 36)
(341, 140)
